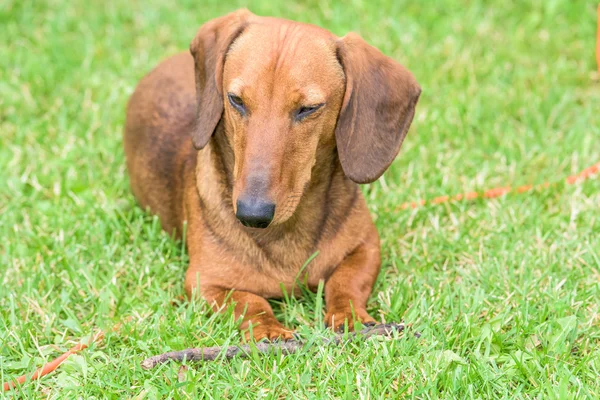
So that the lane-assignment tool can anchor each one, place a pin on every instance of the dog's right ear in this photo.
(209, 48)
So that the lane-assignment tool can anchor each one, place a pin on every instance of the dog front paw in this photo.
(269, 329)
(336, 319)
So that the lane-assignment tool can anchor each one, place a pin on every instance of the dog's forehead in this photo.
(284, 48)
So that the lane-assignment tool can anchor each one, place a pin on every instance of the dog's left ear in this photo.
(378, 108)
(209, 48)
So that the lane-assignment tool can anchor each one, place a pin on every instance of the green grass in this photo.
(506, 293)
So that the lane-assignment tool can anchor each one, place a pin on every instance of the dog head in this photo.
(290, 94)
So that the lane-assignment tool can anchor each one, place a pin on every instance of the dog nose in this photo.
(255, 213)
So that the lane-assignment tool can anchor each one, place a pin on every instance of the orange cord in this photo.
(501, 191)
(598, 40)
(52, 365)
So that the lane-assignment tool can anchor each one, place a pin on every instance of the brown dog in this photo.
(270, 123)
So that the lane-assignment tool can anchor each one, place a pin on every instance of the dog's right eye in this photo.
(237, 103)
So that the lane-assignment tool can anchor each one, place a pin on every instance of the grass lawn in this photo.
(506, 293)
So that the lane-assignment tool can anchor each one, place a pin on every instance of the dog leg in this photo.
(258, 321)
(349, 286)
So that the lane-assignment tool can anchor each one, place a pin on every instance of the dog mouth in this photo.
(255, 225)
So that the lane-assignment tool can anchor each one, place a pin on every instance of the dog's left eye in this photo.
(305, 111)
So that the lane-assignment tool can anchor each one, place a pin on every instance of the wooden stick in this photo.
(285, 347)
(52, 365)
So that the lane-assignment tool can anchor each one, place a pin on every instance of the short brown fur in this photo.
(191, 155)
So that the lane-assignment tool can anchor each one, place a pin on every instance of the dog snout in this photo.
(255, 213)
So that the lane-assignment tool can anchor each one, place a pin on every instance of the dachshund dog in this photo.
(256, 141)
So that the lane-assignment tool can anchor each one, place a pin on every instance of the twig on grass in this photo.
(285, 347)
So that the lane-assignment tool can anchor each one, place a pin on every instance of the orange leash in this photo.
(598, 40)
(488, 194)
(501, 191)
(52, 365)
